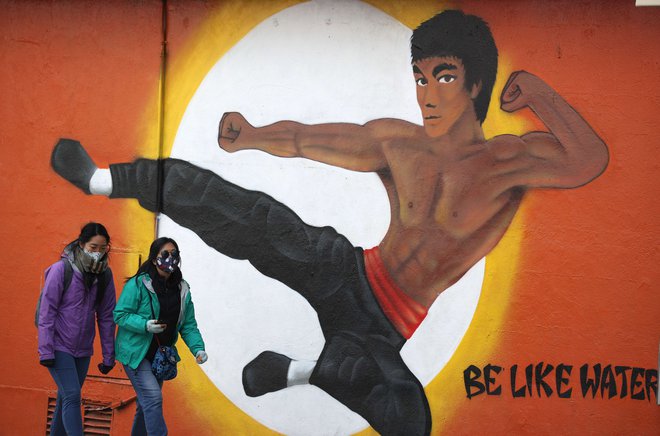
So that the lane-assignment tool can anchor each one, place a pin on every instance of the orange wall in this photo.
(583, 292)
(71, 69)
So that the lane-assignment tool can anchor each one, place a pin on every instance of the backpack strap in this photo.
(68, 275)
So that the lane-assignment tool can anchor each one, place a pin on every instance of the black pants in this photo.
(360, 364)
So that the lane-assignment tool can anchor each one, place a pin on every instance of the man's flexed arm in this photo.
(351, 146)
(571, 154)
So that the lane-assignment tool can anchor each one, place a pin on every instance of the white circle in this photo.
(317, 62)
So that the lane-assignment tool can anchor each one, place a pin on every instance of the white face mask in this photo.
(93, 261)
(94, 255)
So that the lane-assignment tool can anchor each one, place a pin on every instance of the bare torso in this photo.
(449, 209)
(452, 193)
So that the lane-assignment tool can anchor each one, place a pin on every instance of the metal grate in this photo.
(50, 413)
(97, 417)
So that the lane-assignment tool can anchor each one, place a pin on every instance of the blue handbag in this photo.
(163, 366)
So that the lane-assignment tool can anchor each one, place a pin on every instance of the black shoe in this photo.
(265, 373)
(70, 160)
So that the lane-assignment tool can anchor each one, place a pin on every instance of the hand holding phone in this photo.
(155, 326)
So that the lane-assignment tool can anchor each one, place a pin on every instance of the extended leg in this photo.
(365, 373)
(237, 222)
(240, 223)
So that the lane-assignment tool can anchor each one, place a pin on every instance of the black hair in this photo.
(452, 33)
(148, 265)
(89, 230)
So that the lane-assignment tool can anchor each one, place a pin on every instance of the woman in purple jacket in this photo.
(66, 321)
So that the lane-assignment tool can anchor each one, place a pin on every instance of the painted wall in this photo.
(563, 299)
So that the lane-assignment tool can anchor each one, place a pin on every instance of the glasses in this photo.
(165, 254)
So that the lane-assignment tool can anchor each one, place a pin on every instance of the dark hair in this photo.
(90, 230)
(87, 232)
(154, 251)
(451, 33)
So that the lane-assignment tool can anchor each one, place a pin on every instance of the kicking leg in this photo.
(237, 222)
(366, 375)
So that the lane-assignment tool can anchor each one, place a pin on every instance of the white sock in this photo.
(101, 182)
(299, 372)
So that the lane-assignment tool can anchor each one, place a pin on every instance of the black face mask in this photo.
(168, 261)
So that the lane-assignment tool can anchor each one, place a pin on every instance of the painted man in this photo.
(452, 193)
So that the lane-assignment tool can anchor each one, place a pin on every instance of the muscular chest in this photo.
(444, 191)
(417, 184)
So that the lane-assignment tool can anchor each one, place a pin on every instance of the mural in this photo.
(452, 193)
(395, 217)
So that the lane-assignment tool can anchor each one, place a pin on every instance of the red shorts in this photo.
(403, 312)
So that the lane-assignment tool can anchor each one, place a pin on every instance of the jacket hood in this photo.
(68, 251)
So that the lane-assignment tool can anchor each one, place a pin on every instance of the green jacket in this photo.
(132, 312)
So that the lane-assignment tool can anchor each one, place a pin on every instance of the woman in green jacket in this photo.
(153, 309)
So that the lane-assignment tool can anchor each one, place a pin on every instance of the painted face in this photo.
(98, 244)
(441, 93)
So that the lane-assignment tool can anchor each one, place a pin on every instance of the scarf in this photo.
(89, 263)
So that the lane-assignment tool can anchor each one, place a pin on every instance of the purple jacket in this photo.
(66, 322)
